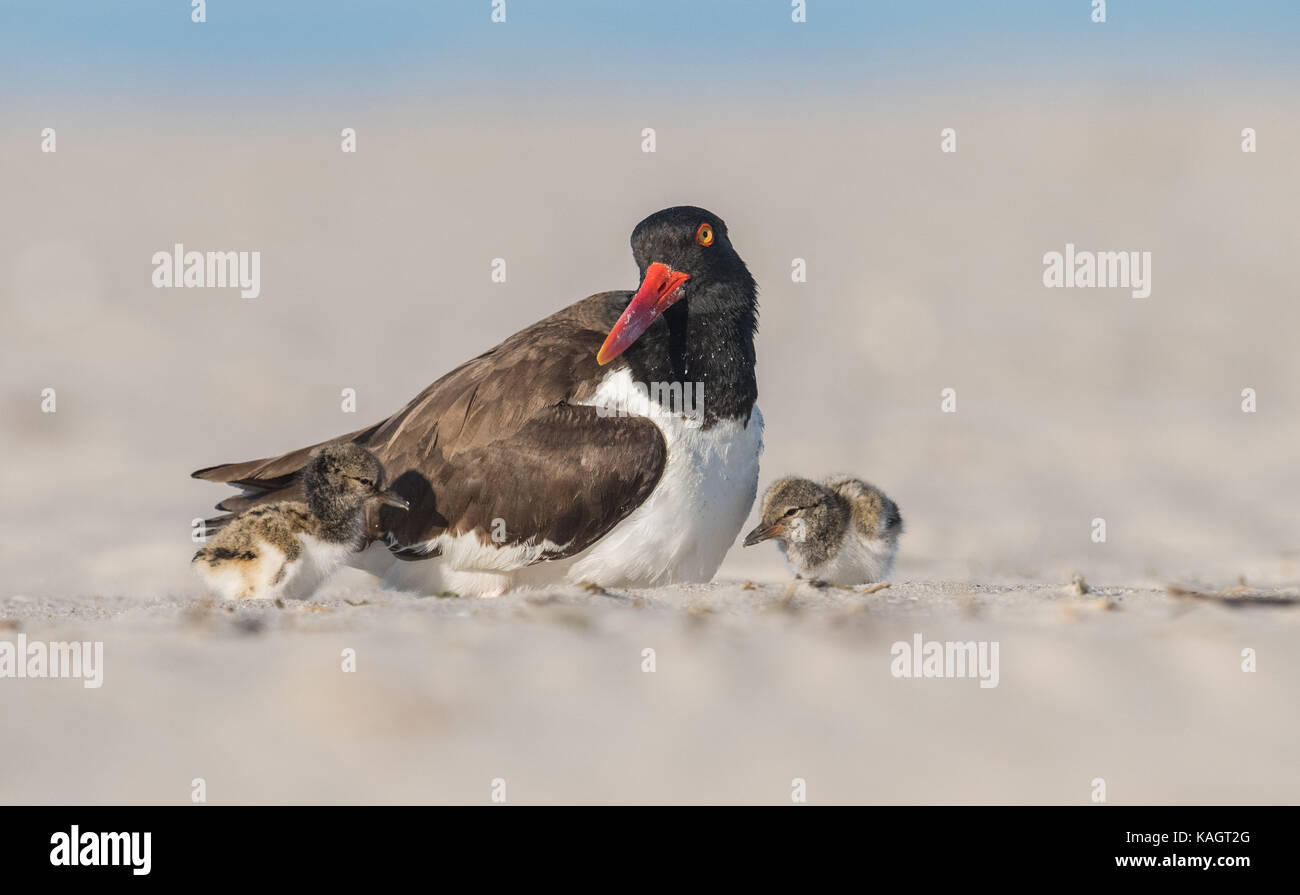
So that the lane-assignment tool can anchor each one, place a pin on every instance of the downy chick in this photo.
(840, 531)
(288, 549)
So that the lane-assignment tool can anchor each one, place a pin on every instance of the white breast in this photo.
(679, 534)
(690, 520)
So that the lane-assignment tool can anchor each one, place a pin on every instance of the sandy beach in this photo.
(753, 687)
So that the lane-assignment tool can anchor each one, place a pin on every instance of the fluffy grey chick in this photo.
(288, 549)
(840, 531)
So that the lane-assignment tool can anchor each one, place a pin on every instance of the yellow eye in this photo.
(704, 235)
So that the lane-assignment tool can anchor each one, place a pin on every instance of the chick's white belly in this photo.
(318, 560)
(858, 561)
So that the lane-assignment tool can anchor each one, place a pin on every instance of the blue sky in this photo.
(149, 50)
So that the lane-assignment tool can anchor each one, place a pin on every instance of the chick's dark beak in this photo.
(763, 533)
(393, 499)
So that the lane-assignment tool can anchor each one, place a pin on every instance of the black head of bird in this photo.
(686, 261)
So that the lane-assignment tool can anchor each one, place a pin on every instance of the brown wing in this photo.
(566, 477)
(499, 438)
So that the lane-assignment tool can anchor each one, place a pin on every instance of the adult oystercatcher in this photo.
(615, 442)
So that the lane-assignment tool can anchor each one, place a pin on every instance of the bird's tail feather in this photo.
(269, 479)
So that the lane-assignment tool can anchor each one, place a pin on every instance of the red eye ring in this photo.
(704, 235)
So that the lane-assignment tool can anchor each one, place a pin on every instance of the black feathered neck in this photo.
(707, 337)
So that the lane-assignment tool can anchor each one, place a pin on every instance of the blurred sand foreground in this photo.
(547, 692)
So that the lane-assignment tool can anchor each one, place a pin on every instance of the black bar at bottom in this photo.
(333, 845)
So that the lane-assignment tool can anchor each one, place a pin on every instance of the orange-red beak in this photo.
(661, 287)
